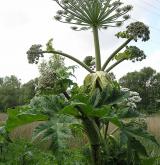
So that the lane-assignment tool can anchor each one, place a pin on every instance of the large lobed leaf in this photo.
(20, 116)
(135, 131)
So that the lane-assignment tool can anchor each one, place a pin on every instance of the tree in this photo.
(9, 92)
(146, 83)
(13, 93)
(100, 100)
(28, 91)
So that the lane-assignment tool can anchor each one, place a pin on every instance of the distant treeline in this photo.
(147, 83)
(13, 93)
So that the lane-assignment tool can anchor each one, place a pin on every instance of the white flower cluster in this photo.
(132, 105)
(132, 99)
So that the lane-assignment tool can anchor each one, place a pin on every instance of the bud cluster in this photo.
(34, 53)
(90, 61)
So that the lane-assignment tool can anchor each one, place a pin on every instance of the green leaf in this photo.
(47, 104)
(58, 132)
(77, 129)
(100, 112)
(135, 131)
(149, 161)
(49, 46)
(114, 120)
(80, 96)
(20, 116)
(138, 146)
(123, 138)
(101, 97)
(75, 109)
(121, 98)
(70, 110)
(95, 97)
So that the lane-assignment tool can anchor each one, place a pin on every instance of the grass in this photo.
(25, 131)
(153, 123)
(3, 118)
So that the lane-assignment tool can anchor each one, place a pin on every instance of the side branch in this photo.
(114, 53)
(115, 64)
(72, 58)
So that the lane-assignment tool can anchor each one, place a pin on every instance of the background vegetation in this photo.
(13, 93)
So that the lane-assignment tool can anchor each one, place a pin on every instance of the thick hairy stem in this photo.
(96, 154)
(72, 58)
(114, 65)
(94, 138)
(92, 133)
(114, 53)
(97, 49)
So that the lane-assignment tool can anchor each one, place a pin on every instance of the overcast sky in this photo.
(27, 22)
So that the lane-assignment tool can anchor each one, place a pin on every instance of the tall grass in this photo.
(3, 118)
(153, 123)
(25, 131)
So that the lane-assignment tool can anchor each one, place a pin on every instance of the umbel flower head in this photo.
(92, 13)
(132, 53)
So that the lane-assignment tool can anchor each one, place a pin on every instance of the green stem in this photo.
(96, 154)
(72, 58)
(115, 52)
(97, 49)
(94, 139)
(106, 130)
(114, 65)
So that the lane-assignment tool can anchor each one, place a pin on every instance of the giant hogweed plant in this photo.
(100, 100)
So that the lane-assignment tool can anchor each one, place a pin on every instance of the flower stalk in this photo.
(115, 52)
(97, 49)
(72, 58)
(115, 64)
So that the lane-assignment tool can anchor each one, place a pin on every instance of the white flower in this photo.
(131, 105)
(124, 89)
(135, 99)
(133, 93)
